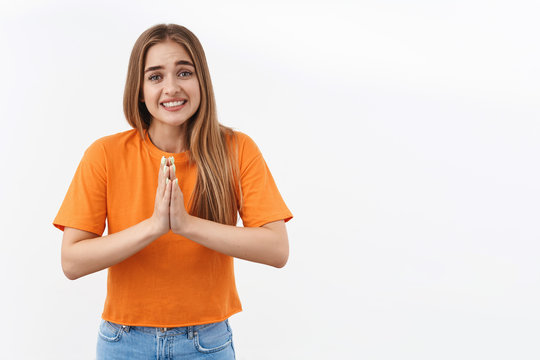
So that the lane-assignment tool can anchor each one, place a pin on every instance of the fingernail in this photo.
(172, 160)
(175, 181)
(163, 160)
(173, 167)
(168, 181)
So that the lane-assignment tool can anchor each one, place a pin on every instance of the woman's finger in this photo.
(173, 168)
(163, 180)
(160, 217)
(178, 214)
(174, 191)
(159, 189)
(161, 165)
(167, 195)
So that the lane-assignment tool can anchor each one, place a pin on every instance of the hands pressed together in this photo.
(169, 210)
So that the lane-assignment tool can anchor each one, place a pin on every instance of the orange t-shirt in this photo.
(173, 281)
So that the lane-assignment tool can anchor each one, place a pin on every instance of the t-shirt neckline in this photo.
(157, 153)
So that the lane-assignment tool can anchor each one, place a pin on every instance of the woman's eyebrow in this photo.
(159, 67)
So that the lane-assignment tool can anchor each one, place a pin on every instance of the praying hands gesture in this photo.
(267, 244)
(85, 252)
(169, 210)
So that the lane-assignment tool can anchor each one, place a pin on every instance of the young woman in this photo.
(170, 190)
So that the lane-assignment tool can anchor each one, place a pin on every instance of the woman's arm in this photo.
(267, 244)
(84, 252)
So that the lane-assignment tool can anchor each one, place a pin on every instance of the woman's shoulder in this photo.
(244, 142)
(244, 148)
(108, 145)
(119, 137)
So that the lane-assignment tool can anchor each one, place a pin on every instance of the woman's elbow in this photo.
(281, 261)
(68, 267)
(279, 244)
(282, 255)
(70, 276)
(69, 271)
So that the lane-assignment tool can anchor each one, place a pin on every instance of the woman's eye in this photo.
(153, 77)
(185, 74)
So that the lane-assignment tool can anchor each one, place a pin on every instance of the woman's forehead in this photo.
(167, 53)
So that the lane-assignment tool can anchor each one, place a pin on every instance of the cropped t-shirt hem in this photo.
(171, 325)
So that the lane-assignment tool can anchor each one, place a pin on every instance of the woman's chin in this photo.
(169, 122)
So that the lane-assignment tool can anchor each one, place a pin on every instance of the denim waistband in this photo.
(180, 330)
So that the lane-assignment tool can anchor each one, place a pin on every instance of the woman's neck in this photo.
(170, 139)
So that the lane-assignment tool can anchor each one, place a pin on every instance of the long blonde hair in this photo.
(212, 146)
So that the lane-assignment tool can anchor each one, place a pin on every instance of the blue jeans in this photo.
(209, 341)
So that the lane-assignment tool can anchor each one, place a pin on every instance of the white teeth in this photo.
(174, 103)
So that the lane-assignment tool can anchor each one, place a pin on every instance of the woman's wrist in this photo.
(184, 227)
(153, 228)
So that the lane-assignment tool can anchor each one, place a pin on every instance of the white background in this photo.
(403, 135)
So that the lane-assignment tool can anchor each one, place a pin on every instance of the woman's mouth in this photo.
(173, 105)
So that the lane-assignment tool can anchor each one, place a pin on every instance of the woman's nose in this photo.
(171, 85)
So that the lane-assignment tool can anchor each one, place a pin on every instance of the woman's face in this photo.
(170, 88)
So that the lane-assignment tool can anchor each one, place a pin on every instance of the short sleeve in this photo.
(261, 200)
(85, 204)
